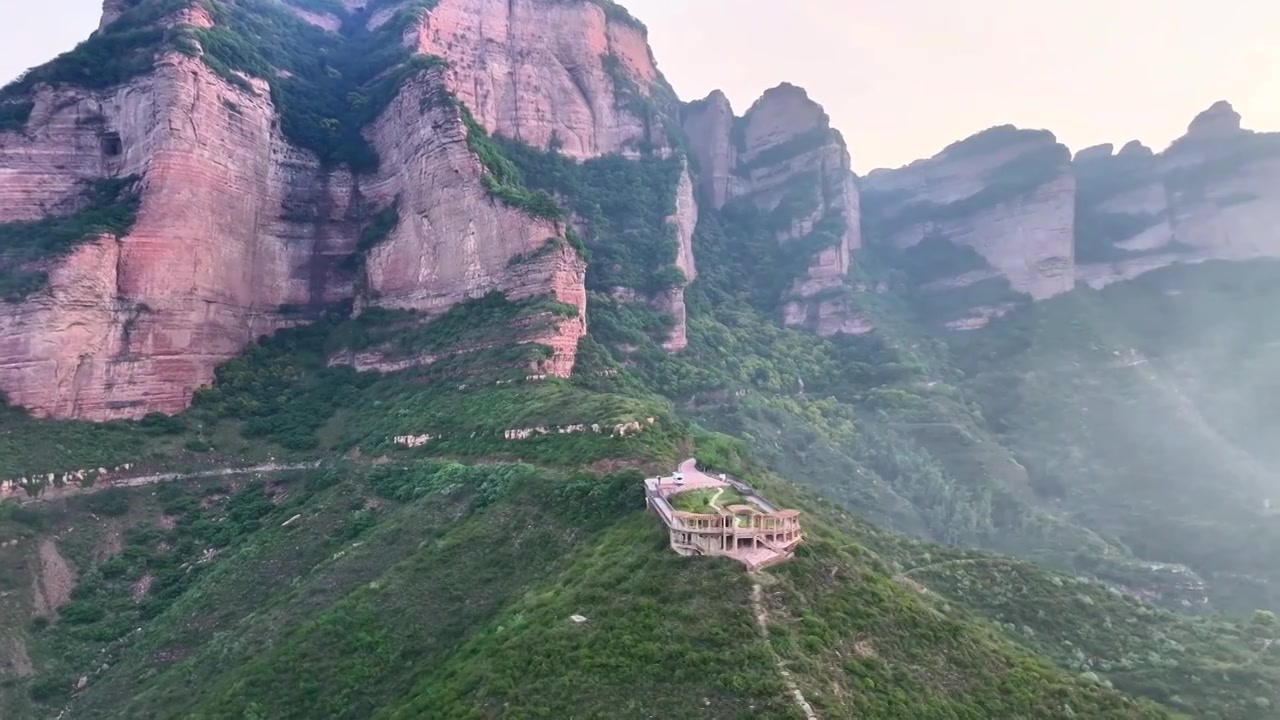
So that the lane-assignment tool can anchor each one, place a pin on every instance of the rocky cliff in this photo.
(1007, 215)
(1213, 195)
(986, 219)
(547, 72)
(239, 231)
(784, 158)
(453, 242)
(577, 77)
(135, 323)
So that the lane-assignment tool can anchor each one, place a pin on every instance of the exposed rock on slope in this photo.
(546, 72)
(238, 229)
(135, 324)
(1005, 194)
(453, 242)
(1003, 214)
(1213, 195)
(576, 76)
(784, 158)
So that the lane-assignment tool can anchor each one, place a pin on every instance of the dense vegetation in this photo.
(324, 594)
(1165, 380)
(105, 207)
(623, 206)
(326, 86)
(120, 53)
(283, 398)
(504, 179)
(1085, 433)
(14, 114)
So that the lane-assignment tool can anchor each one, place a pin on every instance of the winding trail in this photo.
(762, 620)
(944, 563)
(141, 480)
(713, 501)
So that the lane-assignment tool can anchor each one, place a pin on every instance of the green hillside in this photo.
(1066, 514)
(437, 589)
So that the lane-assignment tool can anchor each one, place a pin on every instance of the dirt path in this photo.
(945, 563)
(762, 620)
(141, 480)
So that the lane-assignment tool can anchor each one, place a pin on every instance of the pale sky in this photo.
(903, 78)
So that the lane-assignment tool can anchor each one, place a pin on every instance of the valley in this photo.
(338, 341)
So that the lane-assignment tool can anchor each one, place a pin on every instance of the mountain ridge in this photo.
(332, 236)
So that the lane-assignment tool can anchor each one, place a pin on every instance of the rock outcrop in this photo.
(784, 158)
(455, 242)
(547, 72)
(1213, 195)
(1007, 208)
(238, 231)
(134, 324)
(1005, 194)
(577, 76)
(709, 125)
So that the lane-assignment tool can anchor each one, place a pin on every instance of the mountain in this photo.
(262, 161)
(339, 336)
(1007, 215)
(784, 159)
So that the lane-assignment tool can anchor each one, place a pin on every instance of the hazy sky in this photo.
(903, 78)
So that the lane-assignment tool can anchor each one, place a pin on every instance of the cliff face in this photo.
(135, 324)
(1005, 215)
(784, 158)
(453, 241)
(576, 76)
(1005, 195)
(237, 230)
(545, 71)
(1213, 195)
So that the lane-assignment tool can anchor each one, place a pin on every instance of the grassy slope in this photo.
(281, 400)
(439, 590)
(1206, 667)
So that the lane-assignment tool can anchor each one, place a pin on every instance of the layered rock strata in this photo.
(575, 76)
(1213, 195)
(546, 72)
(134, 324)
(454, 242)
(238, 230)
(784, 157)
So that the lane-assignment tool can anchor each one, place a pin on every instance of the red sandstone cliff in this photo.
(234, 224)
(566, 74)
(453, 241)
(782, 149)
(544, 71)
(135, 324)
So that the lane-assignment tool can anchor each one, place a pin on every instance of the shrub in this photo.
(110, 207)
(112, 502)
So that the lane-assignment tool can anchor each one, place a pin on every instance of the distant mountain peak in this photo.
(1220, 120)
